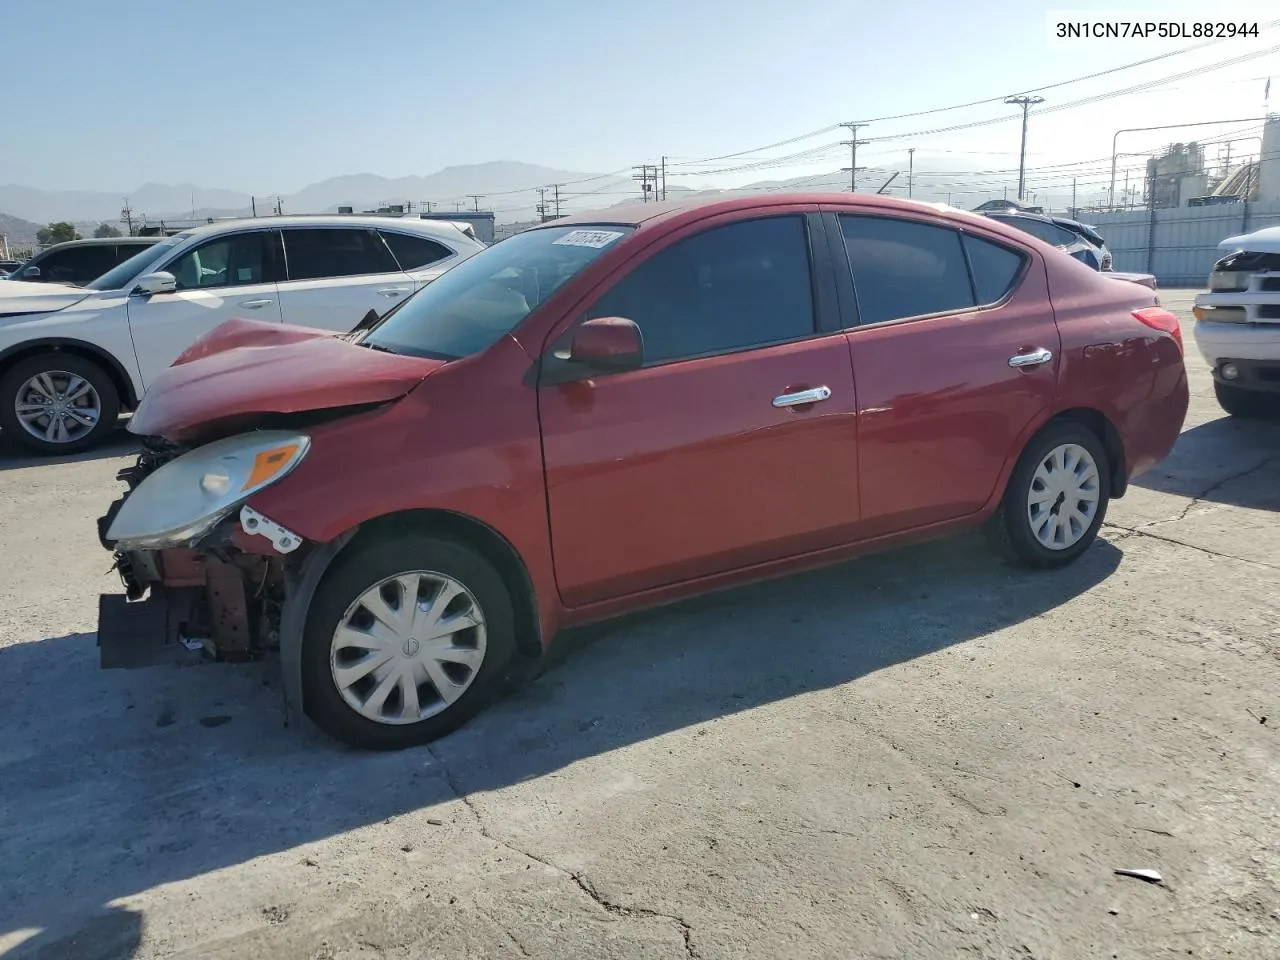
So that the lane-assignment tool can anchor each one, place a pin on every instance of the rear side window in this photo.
(729, 288)
(412, 252)
(317, 254)
(77, 265)
(995, 269)
(905, 269)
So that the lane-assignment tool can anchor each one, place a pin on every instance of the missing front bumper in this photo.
(146, 633)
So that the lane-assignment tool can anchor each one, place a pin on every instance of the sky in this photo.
(269, 97)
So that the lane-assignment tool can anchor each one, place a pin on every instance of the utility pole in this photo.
(253, 206)
(852, 144)
(1026, 103)
(127, 216)
(555, 198)
(279, 206)
(1073, 197)
(542, 204)
(1126, 196)
(457, 206)
(911, 171)
(648, 177)
(476, 198)
(426, 205)
(664, 178)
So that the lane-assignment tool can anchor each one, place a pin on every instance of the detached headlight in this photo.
(187, 497)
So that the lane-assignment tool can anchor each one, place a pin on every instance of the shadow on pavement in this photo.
(16, 457)
(115, 782)
(1227, 460)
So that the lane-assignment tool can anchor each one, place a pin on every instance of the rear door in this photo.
(232, 275)
(338, 274)
(955, 353)
(699, 462)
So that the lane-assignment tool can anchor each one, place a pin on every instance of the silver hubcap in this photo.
(58, 407)
(1063, 499)
(408, 648)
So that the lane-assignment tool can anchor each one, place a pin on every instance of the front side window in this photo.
(902, 268)
(232, 261)
(318, 253)
(729, 288)
(473, 305)
(414, 253)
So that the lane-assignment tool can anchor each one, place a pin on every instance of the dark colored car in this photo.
(617, 410)
(78, 262)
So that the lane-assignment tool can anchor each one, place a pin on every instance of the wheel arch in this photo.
(488, 542)
(1100, 425)
(80, 348)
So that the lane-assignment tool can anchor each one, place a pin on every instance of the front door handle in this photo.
(394, 291)
(1032, 359)
(802, 397)
(256, 304)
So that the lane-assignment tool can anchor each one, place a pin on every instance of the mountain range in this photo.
(507, 187)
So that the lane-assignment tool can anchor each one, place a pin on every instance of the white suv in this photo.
(71, 358)
(1238, 324)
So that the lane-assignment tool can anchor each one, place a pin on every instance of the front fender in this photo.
(300, 587)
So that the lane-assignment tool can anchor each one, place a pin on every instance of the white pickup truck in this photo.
(1238, 324)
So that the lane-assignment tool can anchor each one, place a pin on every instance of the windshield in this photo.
(485, 297)
(123, 274)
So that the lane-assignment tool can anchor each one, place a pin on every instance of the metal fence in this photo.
(1179, 244)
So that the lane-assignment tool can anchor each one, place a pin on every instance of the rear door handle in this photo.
(255, 304)
(394, 291)
(802, 397)
(1032, 359)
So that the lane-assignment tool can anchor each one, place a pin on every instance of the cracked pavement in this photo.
(922, 754)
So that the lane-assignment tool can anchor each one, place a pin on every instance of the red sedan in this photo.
(618, 410)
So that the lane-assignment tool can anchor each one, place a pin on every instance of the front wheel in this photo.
(1246, 404)
(407, 638)
(1056, 500)
(58, 403)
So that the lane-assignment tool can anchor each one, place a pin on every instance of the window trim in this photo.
(284, 252)
(961, 231)
(554, 366)
(415, 236)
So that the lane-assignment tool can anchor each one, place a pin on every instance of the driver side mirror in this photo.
(152, 283)
(611, 344)
(32, 272)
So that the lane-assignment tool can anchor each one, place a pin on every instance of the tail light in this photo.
(1158, 318)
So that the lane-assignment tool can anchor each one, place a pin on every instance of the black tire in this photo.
(1010, 529)
(58, 363)
(354, 573)
(1246, 404)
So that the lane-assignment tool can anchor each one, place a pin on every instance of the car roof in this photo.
(101, 241)
(647, 214)
(434, 229)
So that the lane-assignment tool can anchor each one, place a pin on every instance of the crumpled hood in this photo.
(244, 368)
(21, 297)
(1266, 240)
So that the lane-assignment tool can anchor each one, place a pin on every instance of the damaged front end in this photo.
(204, 574)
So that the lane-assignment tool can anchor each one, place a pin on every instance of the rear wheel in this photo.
(1056, 500)
(1246, 404)
(406, 639)
(57, 403)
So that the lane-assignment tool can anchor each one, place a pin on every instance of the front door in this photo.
(225, 277)
(338, 274)
(712, 456)
(942, 401)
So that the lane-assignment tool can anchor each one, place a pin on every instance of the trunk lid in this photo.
(249, 368)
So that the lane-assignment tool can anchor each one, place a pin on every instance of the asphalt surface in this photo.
(922, 754)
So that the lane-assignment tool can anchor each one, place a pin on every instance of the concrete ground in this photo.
(919, 755)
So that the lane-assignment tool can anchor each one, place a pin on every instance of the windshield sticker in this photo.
(589, 238)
